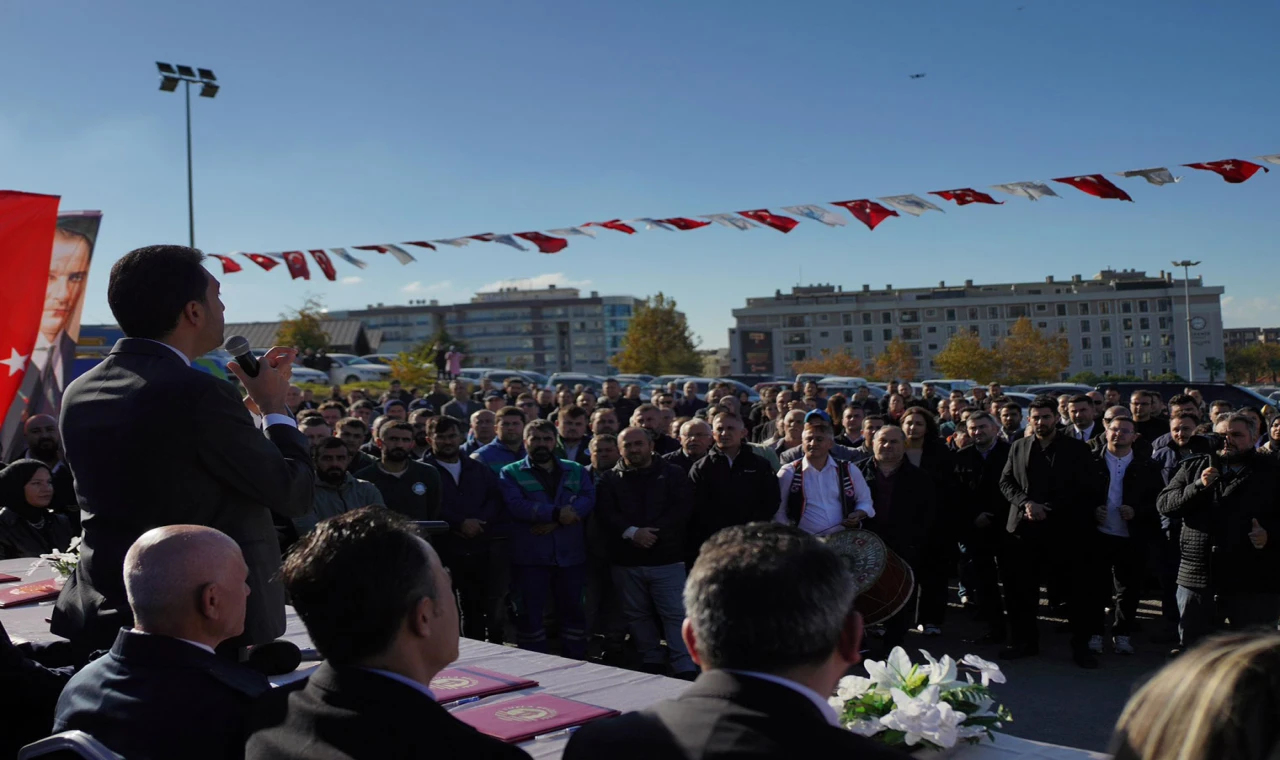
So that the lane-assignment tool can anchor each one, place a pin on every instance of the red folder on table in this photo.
(6, 578)
(453, 684)
(522, 718)
(28, 593)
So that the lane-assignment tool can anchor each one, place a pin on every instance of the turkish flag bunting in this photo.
(484, 236)
(266, 262)
(1096, 185)
(422, 244)
(779, 223)
(965, 195)
(229, 265)
(545, 243)
(1232, 170)
(868, 212)
(27, 222)
(297, 264)
(613, 224)
(378, 248)
(325, 264)
(684, 223)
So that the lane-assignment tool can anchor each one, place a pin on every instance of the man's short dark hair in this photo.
(727, 415)
(767, 597)
(354, 579)
(443, 424)
(307, 414)
(1080, 398)
(397, 425)
(150, 287)
(544, 426)
(1183, 398)
(1141, 392)
(982, 417)
(361, 404)
(647, 408)
(332, 405)
(311, 420)
(603, 438)
(1044, 402)
(352, 422)
(528, 397)
(572, 413)
(329, 443)
(1012, 406)
(873, 418)
(511, 411)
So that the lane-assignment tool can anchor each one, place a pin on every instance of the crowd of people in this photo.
(676, 535)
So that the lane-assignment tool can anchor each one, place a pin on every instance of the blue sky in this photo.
(342, 124)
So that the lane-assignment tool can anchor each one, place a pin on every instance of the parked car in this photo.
(739, 387)
(661, 381)
(1055, 389)
(1235, 395)
(641, 380)
(349, 368)
(539, 379)
(301, 374)
(499, 376)
(754, 380)
(378, 358)
(590, 382)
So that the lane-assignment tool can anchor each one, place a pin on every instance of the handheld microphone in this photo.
(275, 658)
(238, 347)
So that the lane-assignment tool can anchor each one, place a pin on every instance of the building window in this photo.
(1126, 307)
(1166, 357)
(822, 317)
(1104, 307)
(795, 354)
(868, 352)
(888, 333)
(1042, 325)
(973, 312)
(1061, 310)
(1128, 341)
(1164, 304)
(911, 333)
(848, 336)
(993, 312)
(1108, 360)
(795, 338)
(974, 330)
(1017, 311)
(886, 317)
(993, 330)
(1086, 325)
(1042, 307)
(1144, 307)
(867, 336)
(951, 315)
(846, 319)
(1087, 360)
(1146, 340)
(1126, 323)
(930, 313)
(1106, 341)
(933, 346)
(915, 350)
(1128, 358)
(1104, 325)
(908, 315)
(866, 317)
(1166, 340)
(1086, 343)
(793, 320)
(822, 334)
(1146, 357)
(931, 329)
(1144, 323)
(1165, 322)
(1062, 326)
(1084, 308)
(951, 330)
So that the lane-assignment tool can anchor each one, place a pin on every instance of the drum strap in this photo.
(796, 500)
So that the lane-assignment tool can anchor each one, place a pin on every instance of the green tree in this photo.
(302, 327)
(964, 357)
(417, 365)
(1214, 366)
(1029, 356)
(896, 362)
(658, 341)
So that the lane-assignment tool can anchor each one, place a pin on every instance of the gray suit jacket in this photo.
(152, 442)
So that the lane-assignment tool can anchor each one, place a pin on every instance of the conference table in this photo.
(614, 688)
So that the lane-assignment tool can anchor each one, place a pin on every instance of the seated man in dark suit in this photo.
(161, 691)
(771, 622)
(379, 606)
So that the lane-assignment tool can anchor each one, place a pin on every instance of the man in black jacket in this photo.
(1127, 521)
(695, 441)
(731, 485)
(407, 486)
(643, 506)
(161, 691)
(370, 698)
(984, 513)
(1228, 501)
(1050, 484)
(771, 621)
(215, 469)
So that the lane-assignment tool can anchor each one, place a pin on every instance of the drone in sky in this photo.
(917, 76)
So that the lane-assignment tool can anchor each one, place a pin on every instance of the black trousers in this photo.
(1117, 573)
(1027, 562)
(480, 581)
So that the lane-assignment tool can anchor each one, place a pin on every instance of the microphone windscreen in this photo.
(275, 658)
(237, 345)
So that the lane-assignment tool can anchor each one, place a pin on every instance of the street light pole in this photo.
(1186, 296)
(170, 76)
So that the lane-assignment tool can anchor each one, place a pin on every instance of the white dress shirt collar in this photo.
(828, 712)
(181, 355)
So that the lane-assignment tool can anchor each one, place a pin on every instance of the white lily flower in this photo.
(942, 672)
(989, 670)
(852, 687)
(864, 727)
(923, 717)
(892, 673)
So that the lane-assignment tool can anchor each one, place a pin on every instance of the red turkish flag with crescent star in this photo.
(684, 223)
(613, 224)
(1231, 170)
(325, 264)
(763, 216)
(545, 243)
(1097, 186)
(297, 263)
(965, 195)
(27, 222)
(266, 262)
(229, 265)
(868, 212)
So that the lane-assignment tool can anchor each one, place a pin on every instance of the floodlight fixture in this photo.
(169, 84)
(209, 90)
(206, 75)
(166, 68)
(186, 71)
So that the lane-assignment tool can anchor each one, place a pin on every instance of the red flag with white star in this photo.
(965, 195)
(325, 264)
(1097, 186)
(763, 216)
(297, 264)
(868, 212)
(684, 223)
(1231, 170)
(27, 222)
(422, 244)
(266, 262)
(229, 265)
(613, 224)
(545, 243)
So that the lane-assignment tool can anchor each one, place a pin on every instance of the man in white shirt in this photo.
(819, 494)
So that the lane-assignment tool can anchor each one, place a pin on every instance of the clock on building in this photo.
(1198, 323)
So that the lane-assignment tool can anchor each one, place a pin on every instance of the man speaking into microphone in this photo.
(153, 442)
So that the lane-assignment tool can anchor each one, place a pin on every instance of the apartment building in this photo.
(1239, 337)
(546, 330)
(1117, 323)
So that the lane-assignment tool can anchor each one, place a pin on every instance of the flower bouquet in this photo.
(63, 563)
(915, 706)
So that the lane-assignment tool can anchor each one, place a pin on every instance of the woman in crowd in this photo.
(27, 527)
(835, 410)
(1218, 701)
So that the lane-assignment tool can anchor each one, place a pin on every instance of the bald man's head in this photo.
(187, 581)
(41, 432)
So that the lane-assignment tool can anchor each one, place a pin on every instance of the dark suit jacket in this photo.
(345, 713)
(979, 479)
(153, 442)
(31, 690)
(724, 715)
(158, 697)
(1071, 490)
